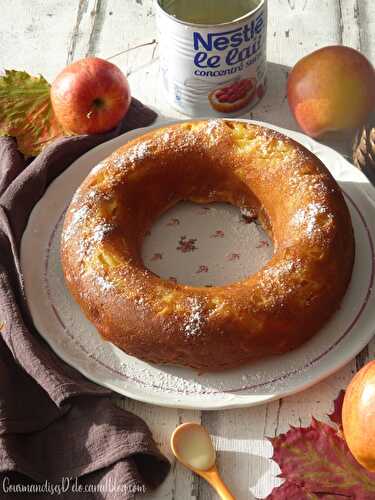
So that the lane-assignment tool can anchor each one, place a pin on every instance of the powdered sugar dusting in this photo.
(308, 217)
(167, 381)
(87, 244)
(212, 130)
(213, 125)
(98, 167)
(104, 283)
(79, 216)
(100, 231)
(136, 153)
(194, 324)
(166, 136)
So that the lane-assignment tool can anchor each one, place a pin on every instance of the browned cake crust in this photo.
(270, 312)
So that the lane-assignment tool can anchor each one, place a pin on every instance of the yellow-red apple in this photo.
(90, 96)
(358, 416)
(332, 88)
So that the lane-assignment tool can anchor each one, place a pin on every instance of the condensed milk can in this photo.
(213, 55)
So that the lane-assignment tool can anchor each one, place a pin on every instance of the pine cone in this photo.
(364, 149)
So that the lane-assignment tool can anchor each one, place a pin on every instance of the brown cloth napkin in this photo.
(55, 425)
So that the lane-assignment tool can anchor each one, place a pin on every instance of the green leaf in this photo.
(26, 111)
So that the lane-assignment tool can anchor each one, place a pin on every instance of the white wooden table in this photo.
(42, 36)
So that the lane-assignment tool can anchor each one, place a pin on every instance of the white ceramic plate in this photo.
(199, 245)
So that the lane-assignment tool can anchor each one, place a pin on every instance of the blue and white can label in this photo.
(213, 70)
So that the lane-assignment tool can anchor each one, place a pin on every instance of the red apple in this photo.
(90, 96)
(332, 88)
(358, 416)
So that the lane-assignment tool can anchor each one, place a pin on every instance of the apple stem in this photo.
(145, 44)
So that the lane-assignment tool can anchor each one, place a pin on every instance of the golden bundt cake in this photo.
(271, 312)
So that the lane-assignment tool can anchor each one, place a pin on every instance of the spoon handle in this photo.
(213, 477)
(223, 491)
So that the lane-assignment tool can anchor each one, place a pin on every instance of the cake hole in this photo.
(206, 245)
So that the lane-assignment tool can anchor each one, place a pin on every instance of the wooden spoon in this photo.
(192, 446)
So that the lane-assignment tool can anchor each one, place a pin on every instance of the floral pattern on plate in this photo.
(204, 245)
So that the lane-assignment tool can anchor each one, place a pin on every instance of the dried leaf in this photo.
(26, 111)
(336, 415)
(317, 460)
(291, 491)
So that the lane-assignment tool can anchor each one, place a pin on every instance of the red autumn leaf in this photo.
(317, 460)
(26, 111)
(336, 415)
(290, 491)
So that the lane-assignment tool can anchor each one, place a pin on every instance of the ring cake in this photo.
(294, 197)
